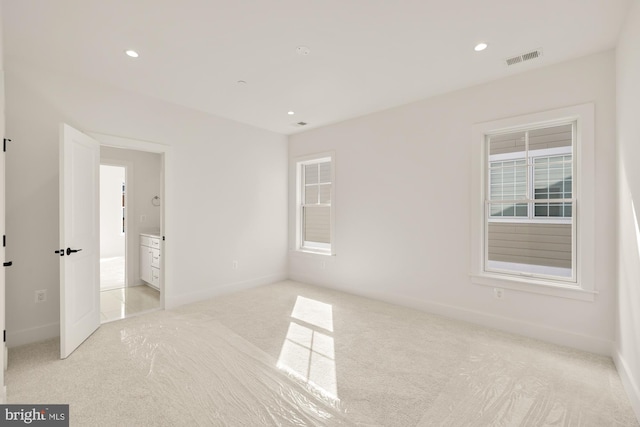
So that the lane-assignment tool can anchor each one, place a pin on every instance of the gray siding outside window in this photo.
(534, 244)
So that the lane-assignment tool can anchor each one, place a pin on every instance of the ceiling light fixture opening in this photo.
(303, 50)
(242, 82)
(291, 113)
(132, 53)
(480, 47)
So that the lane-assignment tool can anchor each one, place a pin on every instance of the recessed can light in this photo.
(291, 113)
(480, 47)
(303, 50)
(132, 53)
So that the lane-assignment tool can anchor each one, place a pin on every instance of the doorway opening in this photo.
(112, 227)
(130, 220)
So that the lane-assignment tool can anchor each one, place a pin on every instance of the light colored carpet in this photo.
(112, 272)
(291, 354)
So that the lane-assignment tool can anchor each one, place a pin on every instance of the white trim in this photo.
(525, 220)
(545, 152)
(31, 335)
(534, 285)
(532, 330)
(584, 187)
(524, 269)
(304, 252)
(630, 385)
(166, 193)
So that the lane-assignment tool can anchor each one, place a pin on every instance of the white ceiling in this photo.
(366, 55)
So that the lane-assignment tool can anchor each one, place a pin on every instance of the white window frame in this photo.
(300, 246)
(582, 286)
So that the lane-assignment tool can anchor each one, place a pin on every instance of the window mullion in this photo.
(529, 177)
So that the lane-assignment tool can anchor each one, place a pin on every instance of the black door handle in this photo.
(7, 264)
(72, 251)
(61, 252)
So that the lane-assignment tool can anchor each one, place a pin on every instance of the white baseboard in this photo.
(30, 335)
(630, 385)
(515, 326)
(227, 288)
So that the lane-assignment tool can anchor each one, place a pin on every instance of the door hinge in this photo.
(4, 336)
(4, 144)
(4, 240)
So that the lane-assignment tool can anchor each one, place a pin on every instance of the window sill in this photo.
(532, 285)
(307, 252)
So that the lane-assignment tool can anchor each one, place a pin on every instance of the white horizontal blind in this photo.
(553, 180)
(508, 182)
(316, 205)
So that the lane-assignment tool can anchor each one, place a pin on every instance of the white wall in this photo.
(111, 236)
(402, 204)
(229, 187)
(627, 354)
(143, 184)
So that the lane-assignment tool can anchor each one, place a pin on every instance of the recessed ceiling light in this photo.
(132, 53)
(242, 82)
(291, 113)
(480, 46)
(303, 50)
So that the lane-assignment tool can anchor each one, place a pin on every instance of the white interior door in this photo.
(79, 238)
(3, 356)
(2, 277)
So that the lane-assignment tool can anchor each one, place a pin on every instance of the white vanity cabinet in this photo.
(150, 259)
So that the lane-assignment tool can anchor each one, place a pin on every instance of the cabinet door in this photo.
(155, 277)
(155, 258)
(145, 263)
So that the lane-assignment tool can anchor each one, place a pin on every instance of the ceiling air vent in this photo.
(302, 123)
(524, 57)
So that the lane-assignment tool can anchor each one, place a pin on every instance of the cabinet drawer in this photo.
(155, 258)
(154, 243)
(145, 241)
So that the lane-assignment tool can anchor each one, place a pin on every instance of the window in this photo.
(532, 203)
(314, 204)
(529, 202)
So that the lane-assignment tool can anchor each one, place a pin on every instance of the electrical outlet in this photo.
(234, 265)
(41, 295)
(498, 293)
(143, 218)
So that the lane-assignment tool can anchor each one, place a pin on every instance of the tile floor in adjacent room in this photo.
(117, 304)
(293, 354)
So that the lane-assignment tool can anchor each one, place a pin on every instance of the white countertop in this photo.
(154, 235)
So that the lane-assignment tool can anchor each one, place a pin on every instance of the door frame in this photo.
(166, 194)
(129, 215)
